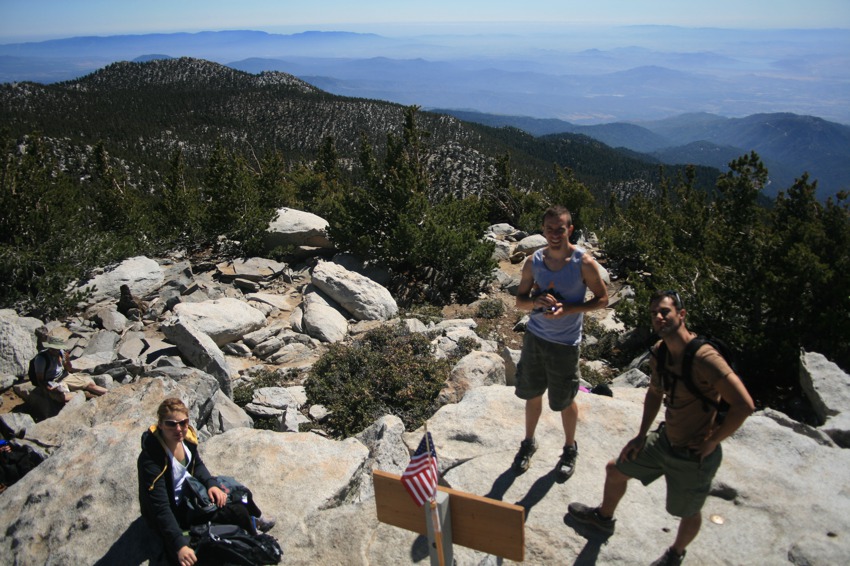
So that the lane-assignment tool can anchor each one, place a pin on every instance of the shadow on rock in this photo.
(419, 549)
(137, 545)
(595, 539)
(537, 492)
(502, 484)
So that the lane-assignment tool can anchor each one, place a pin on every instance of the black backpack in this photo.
(670, 379)
(221, 545)
(31, 370)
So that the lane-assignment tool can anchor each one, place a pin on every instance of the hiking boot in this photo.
(590, 516)
(567, 463)
(264, 524)
(669, 558)
(522, 460)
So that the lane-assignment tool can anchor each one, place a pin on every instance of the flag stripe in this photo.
(420, 476)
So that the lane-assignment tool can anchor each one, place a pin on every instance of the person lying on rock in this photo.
(685, 449)
(169, 457)
(53, 370)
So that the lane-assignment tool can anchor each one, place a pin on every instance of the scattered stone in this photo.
(318, 413)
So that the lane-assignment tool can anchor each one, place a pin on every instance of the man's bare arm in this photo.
(741, 406)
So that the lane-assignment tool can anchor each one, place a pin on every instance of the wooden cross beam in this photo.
(479, 523)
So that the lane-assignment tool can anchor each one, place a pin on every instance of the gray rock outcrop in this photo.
(141, 274)
(530, 244)
(828, 390)
(297, 228)
(201, 351)
(224, 320)
(321, 318)
(357, 294)
(17, 342)
(474, 370)
(779, 497)
(318, 488)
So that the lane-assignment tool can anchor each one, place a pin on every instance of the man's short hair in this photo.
(556, 212)
(674, 296)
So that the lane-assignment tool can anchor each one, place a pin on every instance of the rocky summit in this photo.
(201, 329)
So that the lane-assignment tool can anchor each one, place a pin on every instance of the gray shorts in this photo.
(545, 365)
(688, 479)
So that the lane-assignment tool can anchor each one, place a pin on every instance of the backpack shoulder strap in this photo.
(691, 349)
(668, 378)
(660, 353)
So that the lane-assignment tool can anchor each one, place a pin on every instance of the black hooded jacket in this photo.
(156, 486)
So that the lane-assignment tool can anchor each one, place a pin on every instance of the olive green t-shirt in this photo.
(686, 419)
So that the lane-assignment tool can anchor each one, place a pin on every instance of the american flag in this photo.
(420, 477)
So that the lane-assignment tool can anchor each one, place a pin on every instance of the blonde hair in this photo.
(171, 405)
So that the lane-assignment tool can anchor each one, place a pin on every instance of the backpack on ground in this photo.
(200, 508)
(708, 404)
(31, 370)
(221, 545)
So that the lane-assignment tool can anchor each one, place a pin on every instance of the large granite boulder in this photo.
(777, 498)
(322, 318)
(224, 320)
(530, 244)
(141, 274)
(827, 387)
(357, 294)
(200, 350)
(17, 342)
(474, 370)
(297, 228)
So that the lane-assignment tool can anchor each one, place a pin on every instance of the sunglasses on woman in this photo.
(174, 424)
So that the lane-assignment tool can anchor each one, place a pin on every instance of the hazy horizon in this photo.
(38, 20)
(612, 60)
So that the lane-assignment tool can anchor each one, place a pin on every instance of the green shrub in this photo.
(426, 313)
(267, 423)
(465, 345)
(385, 372)
(490, 308)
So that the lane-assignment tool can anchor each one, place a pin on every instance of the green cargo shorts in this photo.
(547, 365)
(688, 479)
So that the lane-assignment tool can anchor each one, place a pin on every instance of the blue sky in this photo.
(32, 20)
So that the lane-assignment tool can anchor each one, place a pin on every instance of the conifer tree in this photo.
(388, 217)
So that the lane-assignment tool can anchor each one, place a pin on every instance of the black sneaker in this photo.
(669, 558)
(522, 460)
(590, 516)
(567, 463)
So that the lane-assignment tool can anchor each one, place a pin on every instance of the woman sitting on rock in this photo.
(169, 456)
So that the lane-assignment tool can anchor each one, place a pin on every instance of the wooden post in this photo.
(439, 540)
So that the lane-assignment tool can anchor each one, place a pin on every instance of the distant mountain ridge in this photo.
(144, 112)
(726, 72)
(788, 144)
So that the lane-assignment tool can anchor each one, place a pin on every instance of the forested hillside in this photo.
(789, 144)
(146, 157)
(143, 111)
